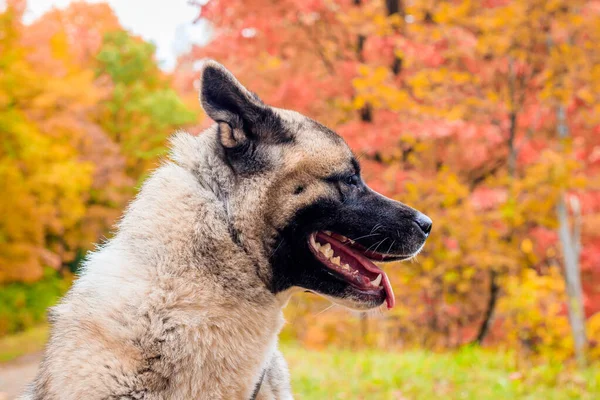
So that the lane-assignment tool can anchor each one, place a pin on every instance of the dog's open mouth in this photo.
(352, 263)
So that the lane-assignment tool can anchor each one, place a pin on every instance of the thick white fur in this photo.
(170, 307)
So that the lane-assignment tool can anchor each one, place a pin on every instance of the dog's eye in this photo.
(352, 180)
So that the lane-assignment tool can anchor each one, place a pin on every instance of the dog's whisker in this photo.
(365, 236)
(377, 226)
(326, 309)
(277, 248)
(390, 248)
(378, 244)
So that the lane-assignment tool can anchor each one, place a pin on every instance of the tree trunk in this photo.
(395, 7)
(488, 315)
(570, 243)
(484, 329)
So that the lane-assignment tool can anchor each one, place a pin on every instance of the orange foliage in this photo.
(63, 177)
(452, 107)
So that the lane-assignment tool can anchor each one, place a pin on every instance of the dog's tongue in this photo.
(364, 262)
(369, 266)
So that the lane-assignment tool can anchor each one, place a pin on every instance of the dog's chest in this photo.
(227, 361)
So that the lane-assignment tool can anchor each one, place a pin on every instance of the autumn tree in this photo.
(44, 182)
(65, 172)
(142, 109)
(452, 108)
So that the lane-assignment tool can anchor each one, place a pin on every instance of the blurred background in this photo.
(483, 114)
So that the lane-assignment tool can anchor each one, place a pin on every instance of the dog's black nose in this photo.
(424, 222)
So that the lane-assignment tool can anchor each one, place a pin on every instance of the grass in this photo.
(19, 344)
(470, 373)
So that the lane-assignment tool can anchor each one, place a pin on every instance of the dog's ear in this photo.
(241, 115)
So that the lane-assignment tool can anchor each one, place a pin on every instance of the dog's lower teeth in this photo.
(377, 281)
(336, 261)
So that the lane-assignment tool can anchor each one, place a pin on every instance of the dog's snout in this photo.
(424, 222)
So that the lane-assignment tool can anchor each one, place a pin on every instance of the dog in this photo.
(185, 301)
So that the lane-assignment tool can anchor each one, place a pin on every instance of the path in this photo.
(16, 374)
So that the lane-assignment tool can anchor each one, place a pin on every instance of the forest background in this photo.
(483, 114)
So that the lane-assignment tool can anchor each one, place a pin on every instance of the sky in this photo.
(166, 23)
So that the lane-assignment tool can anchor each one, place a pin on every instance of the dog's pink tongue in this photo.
(364, 262)
(389, 292)
(369, 266)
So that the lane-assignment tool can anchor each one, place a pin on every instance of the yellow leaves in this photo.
(420, 82)
(533, 308)
(586, 95)
(428, 265)
(554, 5)
(451, 277)
(526, 246)
(372, 86)
(359, 102)
(43, 179)
(448, 12)
(379, 75)
(451, 188)
(381, 24)
(59, 46)
(269, 62)
(44, 194)
(371, 76)
(370, 19)
(58, 92)
(593, 333)
(492, 96)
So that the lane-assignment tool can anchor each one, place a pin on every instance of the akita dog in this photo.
(185, 301)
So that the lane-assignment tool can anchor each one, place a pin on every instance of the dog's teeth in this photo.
(336, 261)
(326, 249)
(377, 281)
(327, 233)
(314, 243)
(351, 241)
(346, 267)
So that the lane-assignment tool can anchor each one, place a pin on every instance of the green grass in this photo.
(19, 344)
(470, 373)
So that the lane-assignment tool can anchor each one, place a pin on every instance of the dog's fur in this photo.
(185, 301)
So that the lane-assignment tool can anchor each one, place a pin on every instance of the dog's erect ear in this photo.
(241, 115)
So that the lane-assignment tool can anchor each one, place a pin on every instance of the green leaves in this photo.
(142, 109)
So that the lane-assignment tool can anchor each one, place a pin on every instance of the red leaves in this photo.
(450, 105)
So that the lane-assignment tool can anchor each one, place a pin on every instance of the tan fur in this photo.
(145, 319)
(171, 307)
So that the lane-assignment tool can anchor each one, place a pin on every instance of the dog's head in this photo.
(298, 199)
